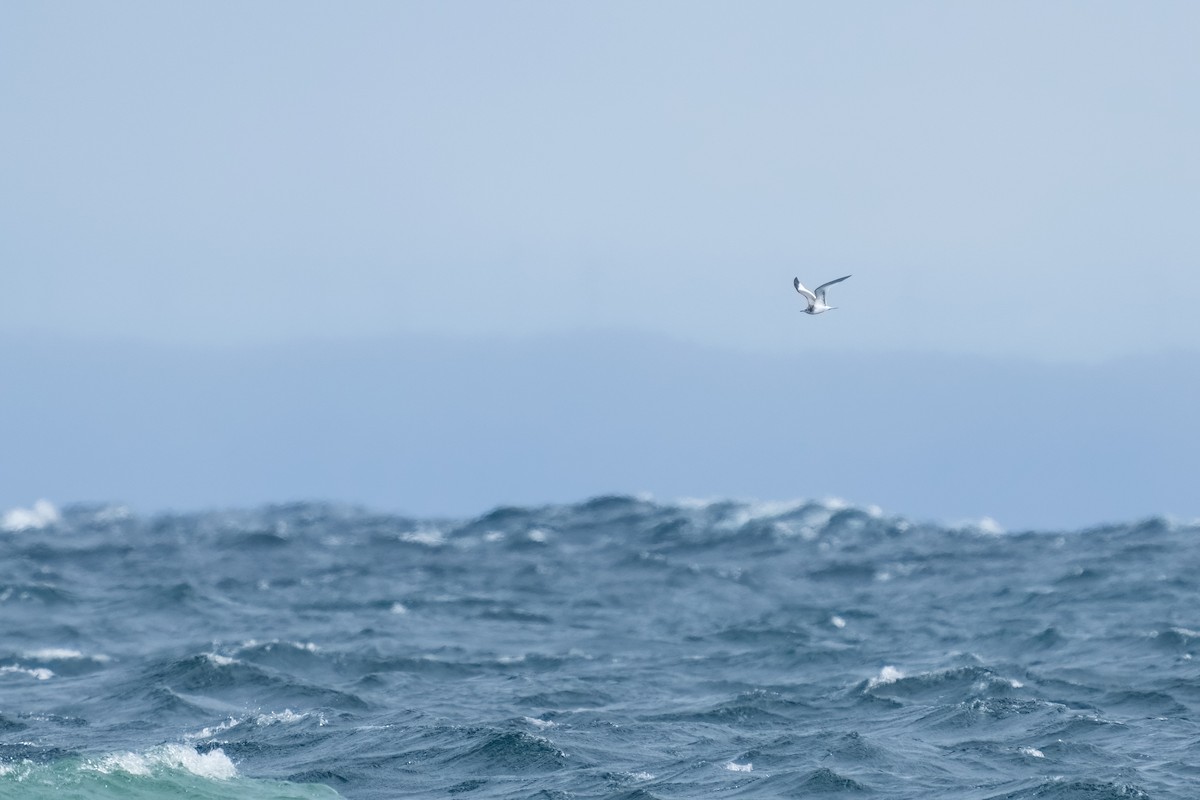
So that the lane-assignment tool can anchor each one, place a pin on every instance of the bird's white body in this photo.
(816, 298)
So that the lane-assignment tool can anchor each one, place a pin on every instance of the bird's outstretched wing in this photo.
(820, 290)
(809, 296)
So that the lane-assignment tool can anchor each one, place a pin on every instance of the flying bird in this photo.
(816, 299)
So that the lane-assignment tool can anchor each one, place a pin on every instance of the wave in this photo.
(619, 646)
(680, 525)
(235, 681)
(964, 682)
(170, 770)
(1076, 790)
(514, 753)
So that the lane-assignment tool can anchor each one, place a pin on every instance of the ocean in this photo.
(619, 647)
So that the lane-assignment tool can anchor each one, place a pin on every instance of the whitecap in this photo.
(735, 767)
(54, 654)
(42, 514)
(285, 717)
(837, 621)
(211, 731)
(1032, 752)
(63, 654)
(888, 674)
(214, 764)
(990, 526)
(41, 673)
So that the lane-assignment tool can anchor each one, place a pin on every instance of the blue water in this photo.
(617, 648)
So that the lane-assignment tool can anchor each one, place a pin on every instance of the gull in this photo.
(816, 299)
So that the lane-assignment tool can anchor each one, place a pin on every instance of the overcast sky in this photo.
(1016, 178)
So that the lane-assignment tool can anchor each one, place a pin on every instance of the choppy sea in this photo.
(615, 648)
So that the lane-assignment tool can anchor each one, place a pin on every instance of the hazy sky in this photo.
(1015, 178)
(435, 257)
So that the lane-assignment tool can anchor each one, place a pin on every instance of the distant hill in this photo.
(433, 426)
